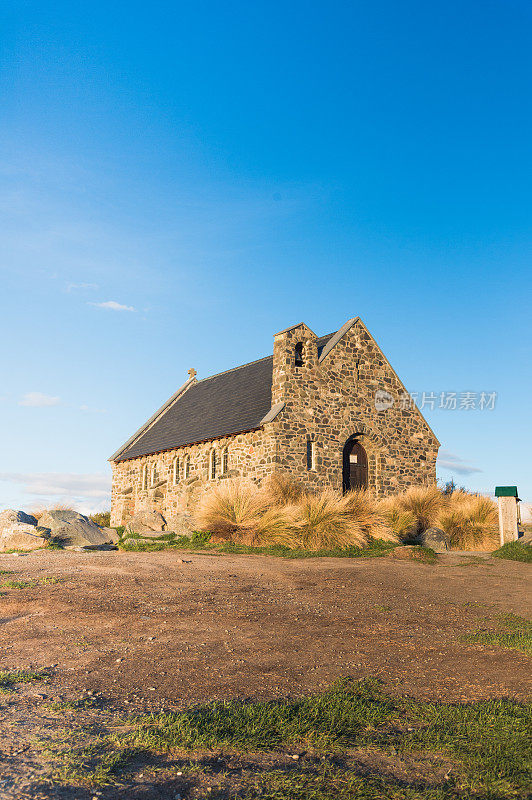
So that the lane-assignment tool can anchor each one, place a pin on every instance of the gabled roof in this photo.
(224, 404)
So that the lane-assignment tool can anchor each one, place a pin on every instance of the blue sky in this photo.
(180, 181)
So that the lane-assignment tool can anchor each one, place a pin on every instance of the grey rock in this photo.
(436, 539)
(20, 536)
(112, 534)
(10, 516)
(146, 523)
(526, 538)
(70, 528)
(181, 524)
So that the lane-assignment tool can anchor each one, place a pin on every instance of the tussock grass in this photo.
(513, 551)
(470, 521)
(411, 512)
(237, 509)
(322, 521)
(282, 490)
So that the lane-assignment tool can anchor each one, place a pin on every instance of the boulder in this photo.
(112, 534)
(70, 528)
(526, 538)
(436, 539)
(10, 516)
(146, 523)
(21, 537)
(181, 524)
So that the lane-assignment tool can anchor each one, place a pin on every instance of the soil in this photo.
(164, 629)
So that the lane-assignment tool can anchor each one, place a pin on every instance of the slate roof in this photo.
(222, 405)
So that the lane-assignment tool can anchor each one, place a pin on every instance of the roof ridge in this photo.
(233, 369)
(257, 361)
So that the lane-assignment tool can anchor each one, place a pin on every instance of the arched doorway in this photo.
(355, 472)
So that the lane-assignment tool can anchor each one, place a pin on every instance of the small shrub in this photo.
(102, 518)
(513, 551)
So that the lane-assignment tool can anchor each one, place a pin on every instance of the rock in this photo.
(181, 524)
(21, 537)
(526, 538)
(112, 534)
(436, 539)
(72, 529)
(146, 523)
(10, 516)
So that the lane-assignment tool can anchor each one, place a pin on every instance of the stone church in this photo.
(329, 410)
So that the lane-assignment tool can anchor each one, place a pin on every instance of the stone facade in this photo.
(329, 399)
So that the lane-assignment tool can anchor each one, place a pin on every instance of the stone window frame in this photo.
(299, 354)
(176, 470)
(310, 454)
(224, 460)
(153, 474)
(212, 464)
(186, 466)
(144, 477)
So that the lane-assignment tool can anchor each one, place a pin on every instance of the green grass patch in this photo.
(18, 584)
(13, 584)
(201, 541)
(477, 751)
(9, 679)
(514, 551)
(513, 633)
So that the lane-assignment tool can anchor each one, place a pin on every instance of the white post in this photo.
(508, 517)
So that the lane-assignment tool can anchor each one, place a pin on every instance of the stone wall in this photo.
(249, 455)
(332, 400)
(326, 403)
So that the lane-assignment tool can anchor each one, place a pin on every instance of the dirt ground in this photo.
(163, 629)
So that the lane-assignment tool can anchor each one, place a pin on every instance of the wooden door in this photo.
(357, 463)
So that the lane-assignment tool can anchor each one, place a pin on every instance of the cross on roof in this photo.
(192, 373)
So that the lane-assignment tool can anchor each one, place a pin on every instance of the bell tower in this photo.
(295, 361)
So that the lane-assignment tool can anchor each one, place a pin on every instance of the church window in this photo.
(225, 461)
(212, 465)
(176, 470)
(311, 454)
(186, 467)
(298, 351)
(144, 477)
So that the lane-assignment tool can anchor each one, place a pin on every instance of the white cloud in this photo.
(38, 400)
(112, 305)
(454, 463)
(84, 491)
(73, 286)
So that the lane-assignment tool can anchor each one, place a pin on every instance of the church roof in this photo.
(223, 405)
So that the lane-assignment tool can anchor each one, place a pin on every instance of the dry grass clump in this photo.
(321, 522)
(411, 512)
(470, 521)
(325, 520)
(282, 490)
(365, 509)
(237, 510)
